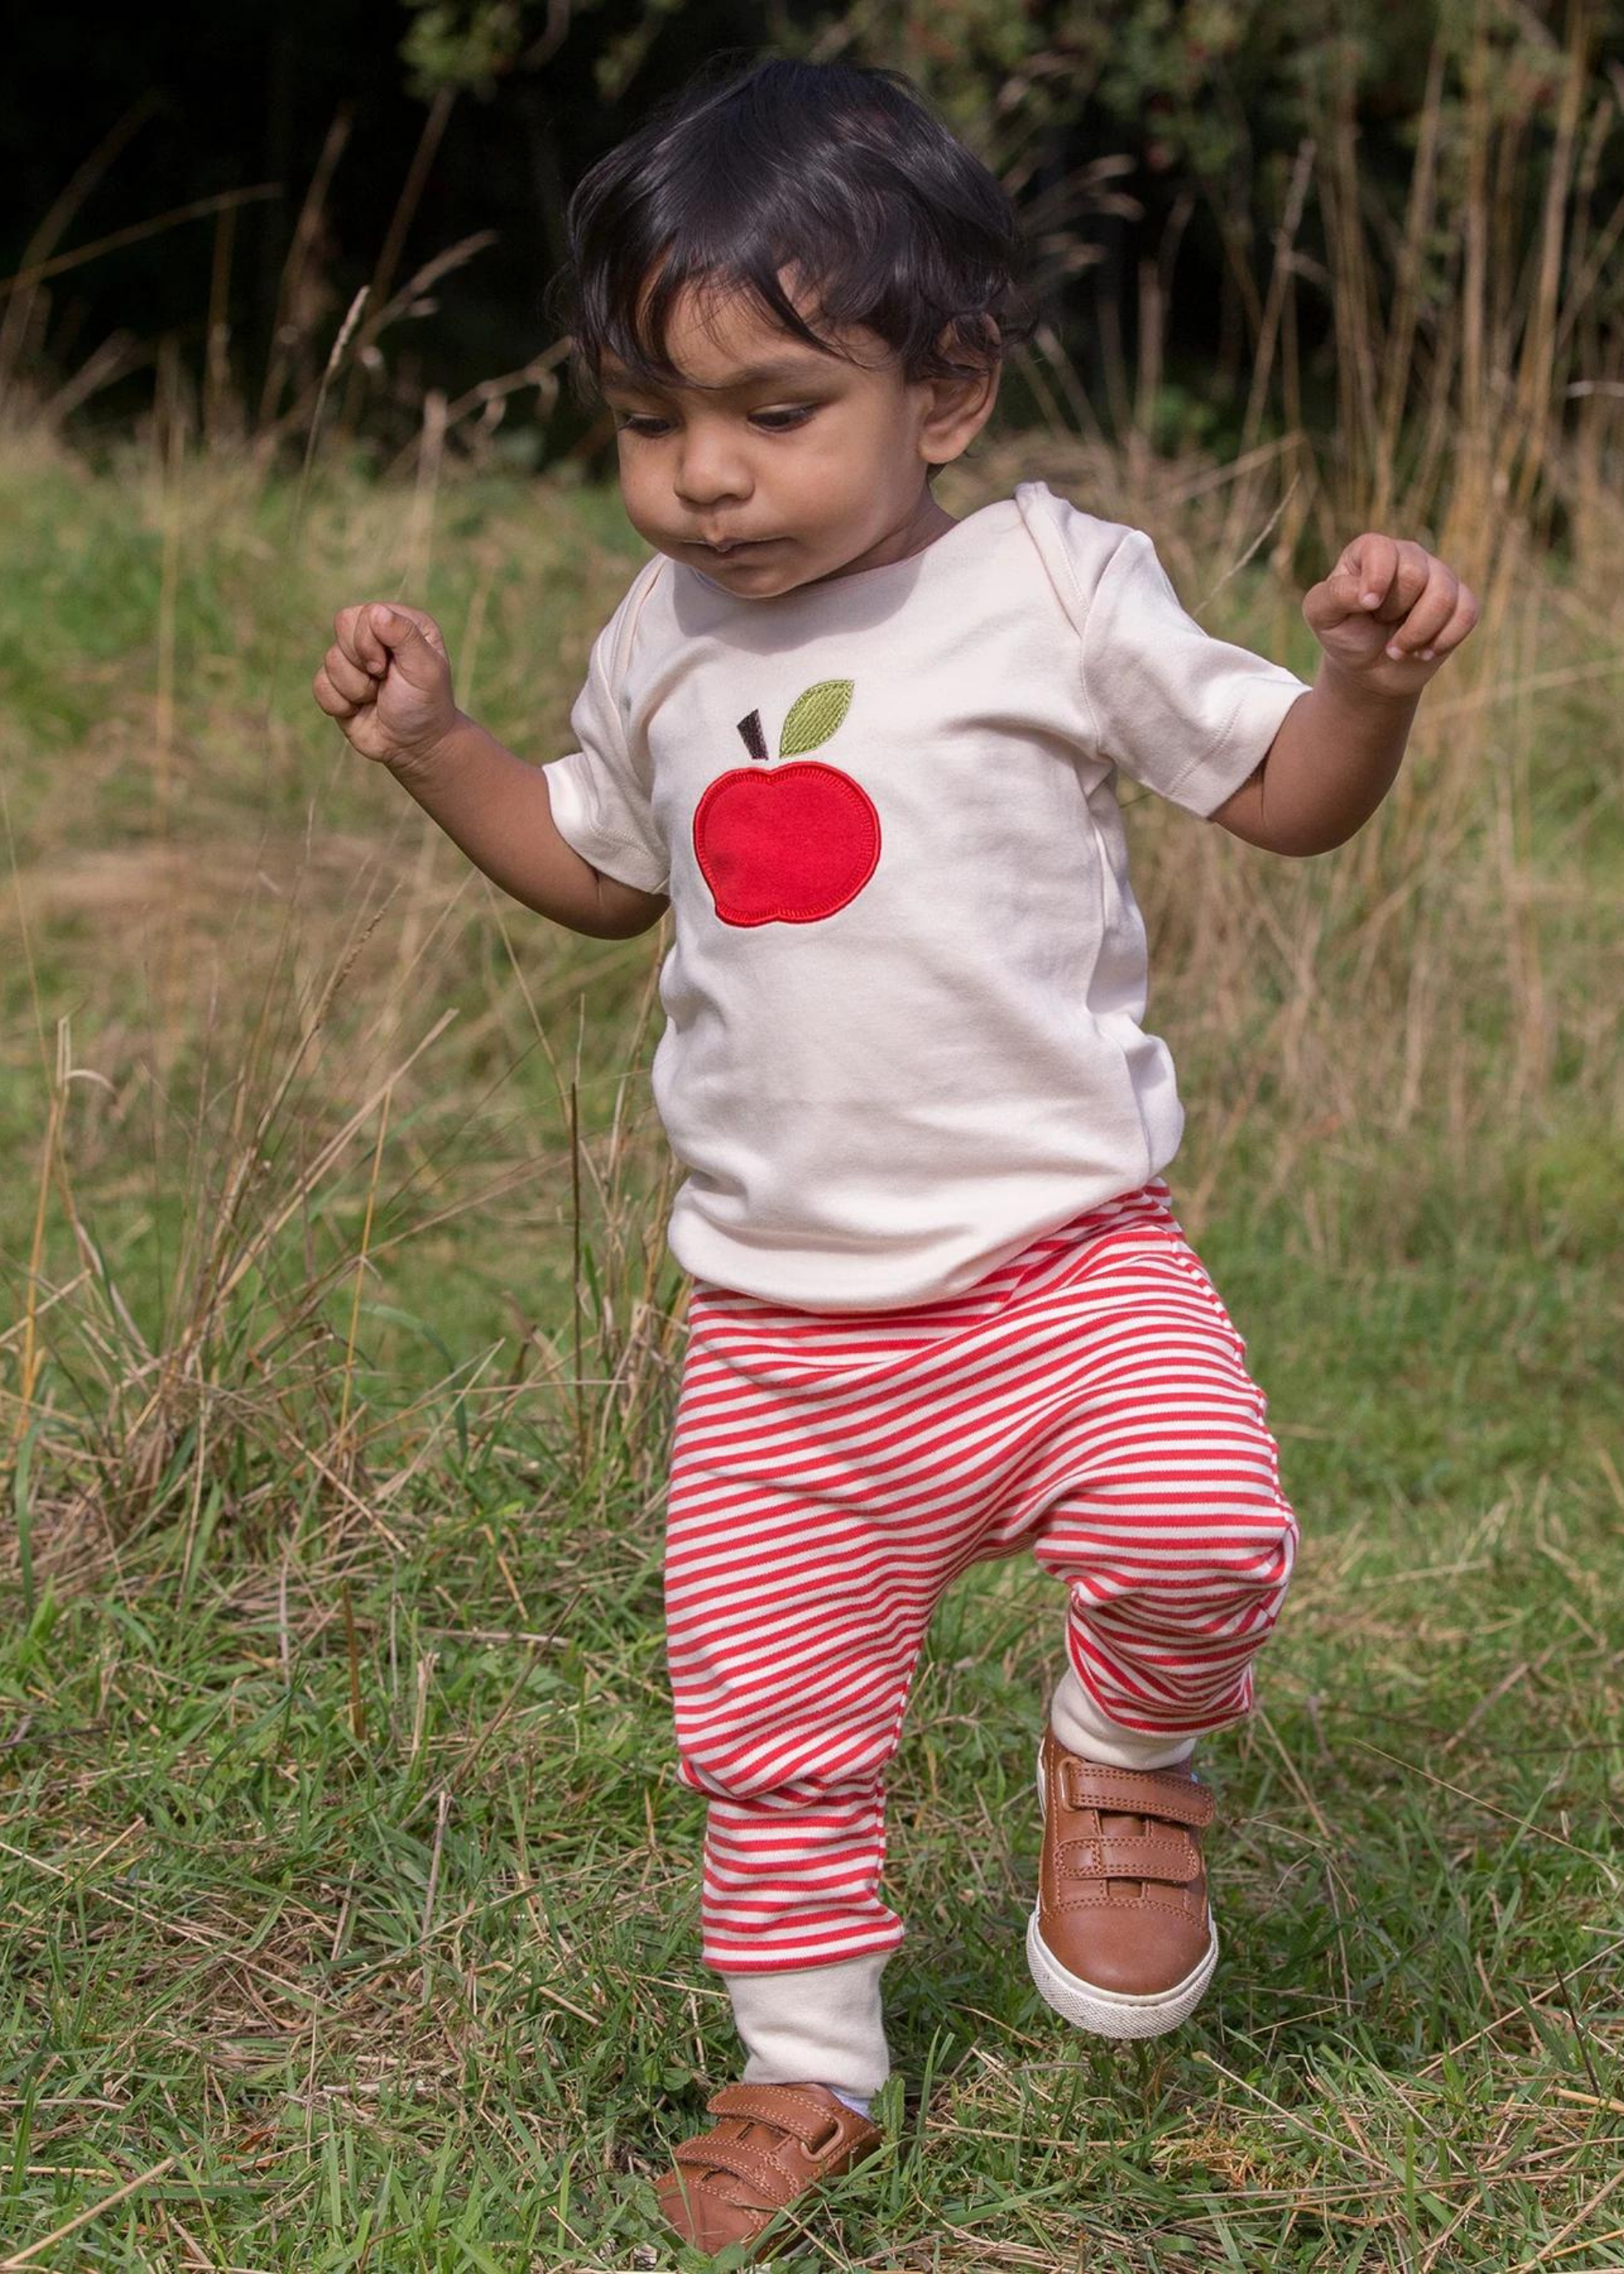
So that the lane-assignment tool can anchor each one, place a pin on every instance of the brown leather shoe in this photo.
(1122, 1941)
(773, 2144)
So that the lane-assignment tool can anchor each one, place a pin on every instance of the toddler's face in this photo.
(769, 463)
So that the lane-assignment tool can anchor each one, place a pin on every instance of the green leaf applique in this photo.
(813, 716)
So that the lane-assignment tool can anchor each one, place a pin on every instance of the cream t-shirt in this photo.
(904, 995)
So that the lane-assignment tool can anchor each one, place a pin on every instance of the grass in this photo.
(359, 1883)
(347, 1895)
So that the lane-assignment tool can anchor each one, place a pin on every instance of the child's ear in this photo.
(957, 408)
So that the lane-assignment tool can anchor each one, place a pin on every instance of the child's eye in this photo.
(636, 422)
(779, 422)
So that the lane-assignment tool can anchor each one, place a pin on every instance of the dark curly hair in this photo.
(839, 176)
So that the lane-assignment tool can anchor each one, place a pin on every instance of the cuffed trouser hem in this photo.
(1081, 1728)
(814, 2024)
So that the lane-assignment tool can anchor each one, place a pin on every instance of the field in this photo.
(347, 1894)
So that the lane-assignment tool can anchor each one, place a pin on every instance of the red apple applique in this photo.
(787, 844)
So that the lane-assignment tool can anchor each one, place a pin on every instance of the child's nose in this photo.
(709, 469)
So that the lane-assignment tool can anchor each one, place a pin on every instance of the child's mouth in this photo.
(724, 547)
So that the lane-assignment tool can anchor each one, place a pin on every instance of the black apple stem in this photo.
(754, 741)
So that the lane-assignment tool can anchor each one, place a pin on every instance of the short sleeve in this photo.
(1190, 716)
(600, 798)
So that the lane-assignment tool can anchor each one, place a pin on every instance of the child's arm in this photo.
(1387, 616)
(387, 680)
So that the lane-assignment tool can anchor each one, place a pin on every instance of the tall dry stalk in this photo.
(381, 287)
(288, 327)
(22, 298)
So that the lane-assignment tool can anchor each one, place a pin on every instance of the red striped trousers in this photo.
(831, 1474)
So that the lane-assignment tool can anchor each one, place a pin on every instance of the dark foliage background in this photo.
(1132, 132)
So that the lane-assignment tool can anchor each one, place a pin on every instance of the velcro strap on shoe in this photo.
(814, 2127)
(1135, 1792)
(714, 2152)
(1169, 1857)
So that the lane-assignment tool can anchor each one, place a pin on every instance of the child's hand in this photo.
(1391, 611)
(387, 680)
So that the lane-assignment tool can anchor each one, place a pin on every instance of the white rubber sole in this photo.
(1114, 2013)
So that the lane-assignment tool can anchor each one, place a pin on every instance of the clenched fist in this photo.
(387, 680)
(1390, 611)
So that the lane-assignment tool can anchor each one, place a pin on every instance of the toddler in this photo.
(941, 1309)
